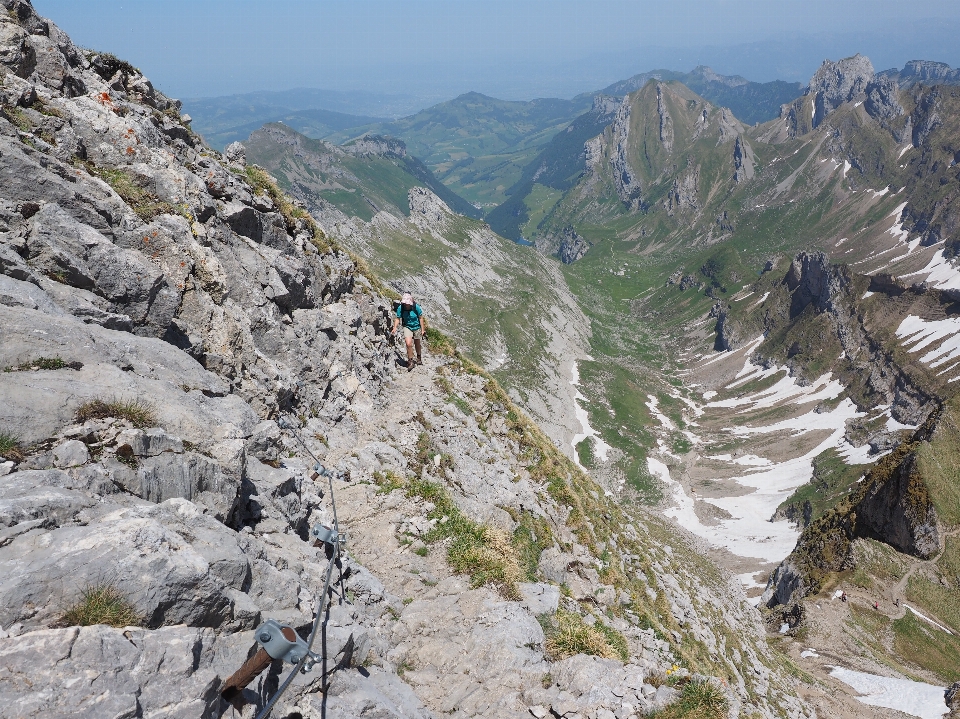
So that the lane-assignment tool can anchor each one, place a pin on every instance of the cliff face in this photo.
(161, 309)
(892, 504)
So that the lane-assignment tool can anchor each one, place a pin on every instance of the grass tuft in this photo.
(101, 604)
(145, 204)
(698, 700)
(568, 635)
(138, 412)
(43, 363)
(10, 447)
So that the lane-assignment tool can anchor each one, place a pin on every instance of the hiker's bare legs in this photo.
(416, 341)
(409, 342)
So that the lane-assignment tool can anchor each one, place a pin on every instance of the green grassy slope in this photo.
(557, 166)
(358, 185)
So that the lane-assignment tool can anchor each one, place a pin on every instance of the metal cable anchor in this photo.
(276, 639)
(325, 534)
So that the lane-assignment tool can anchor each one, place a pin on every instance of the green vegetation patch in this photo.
(925, 646)
(939, 601)
(101, 604)
(138, 412)
(487, 555)
(10, 447)
(939, 465)
(43, 363)
(832, 480)
(145, 204)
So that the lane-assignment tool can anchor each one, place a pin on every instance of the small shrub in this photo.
(101, 604)
(10, 447)
(388, 481)
(568, 635)
(137, 412)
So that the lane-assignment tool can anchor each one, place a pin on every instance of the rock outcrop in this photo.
(572, 246)
(625, 179)
(666, 122)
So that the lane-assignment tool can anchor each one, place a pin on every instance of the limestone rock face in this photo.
(899, 511)
(835, 83)
(625, 179)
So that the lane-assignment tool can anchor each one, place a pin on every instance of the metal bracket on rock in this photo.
(276, 639)
(326, 534)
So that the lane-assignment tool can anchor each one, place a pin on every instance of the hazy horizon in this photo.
(429, 50)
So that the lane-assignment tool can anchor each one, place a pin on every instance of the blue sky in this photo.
(516, 49)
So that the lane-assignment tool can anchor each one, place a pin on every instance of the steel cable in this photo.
(333, 560)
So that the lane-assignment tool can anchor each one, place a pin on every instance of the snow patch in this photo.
(904, 151)
(927, 619)
(760, 301)
(915, 698)
(867, 294)
(922, 333)
(600, 448)
(652, 405)
(942, 273)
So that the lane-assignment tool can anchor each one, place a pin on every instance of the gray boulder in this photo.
(42, 573)
(236, 154)
(70, 454)
(40, 494)
(106, 672)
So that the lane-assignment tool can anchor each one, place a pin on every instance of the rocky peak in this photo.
(882, 102)
(838, 82)
(812, 280)
(426, 209)
(925, 72)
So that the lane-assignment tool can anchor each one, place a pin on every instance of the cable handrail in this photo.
(332, 560)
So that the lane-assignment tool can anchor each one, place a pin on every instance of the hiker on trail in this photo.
(410, 315)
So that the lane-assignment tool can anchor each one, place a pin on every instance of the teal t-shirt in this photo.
(410, 318)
